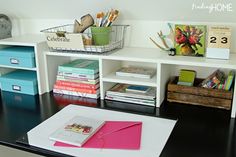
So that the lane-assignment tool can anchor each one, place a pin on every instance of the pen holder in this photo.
(101, 35)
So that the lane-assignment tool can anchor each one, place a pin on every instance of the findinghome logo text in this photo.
(213, 7)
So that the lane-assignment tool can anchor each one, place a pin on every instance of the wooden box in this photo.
(198, 96)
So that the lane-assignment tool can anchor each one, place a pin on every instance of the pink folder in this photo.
(114, 135)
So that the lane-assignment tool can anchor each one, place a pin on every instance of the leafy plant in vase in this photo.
(190, 40)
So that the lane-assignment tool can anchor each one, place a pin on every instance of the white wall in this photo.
(167, 10)
(145, 17)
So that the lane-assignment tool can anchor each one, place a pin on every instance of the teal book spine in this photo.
(80, 66)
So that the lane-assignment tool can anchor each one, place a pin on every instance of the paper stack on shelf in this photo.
(138, 72)
(79, 77)
(132, 94)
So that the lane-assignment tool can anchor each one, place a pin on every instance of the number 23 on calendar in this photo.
(219, 37)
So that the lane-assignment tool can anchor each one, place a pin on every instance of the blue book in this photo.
(80, 66)
(137, 88)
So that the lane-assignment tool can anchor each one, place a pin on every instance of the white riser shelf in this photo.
(165, 65)
(39, 44)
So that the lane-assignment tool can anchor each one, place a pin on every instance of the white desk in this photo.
(155, 132)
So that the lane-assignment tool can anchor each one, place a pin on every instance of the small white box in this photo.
(218, 53)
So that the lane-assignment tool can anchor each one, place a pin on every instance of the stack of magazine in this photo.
(79, 78)
(137, 72)
(132, 94)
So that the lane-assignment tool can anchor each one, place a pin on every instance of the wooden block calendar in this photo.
(218, 42)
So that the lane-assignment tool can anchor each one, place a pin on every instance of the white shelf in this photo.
(24, 40)
(126, 54)
(154, 55)
(74, 54)
(135, 54)
(198, 61)
(22, 68)
(130, 80)
(39, 44)
(161, 61)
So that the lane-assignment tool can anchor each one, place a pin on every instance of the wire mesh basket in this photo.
(62, 38)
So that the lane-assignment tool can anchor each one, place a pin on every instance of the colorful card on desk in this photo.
(114, 135)
(77, 131)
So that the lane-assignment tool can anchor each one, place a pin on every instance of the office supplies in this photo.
(85, 22)
(106, 20)
(20, 81)
(18, 56)
(101, 35)
(112, 17)
(100, 16)
(114, 135)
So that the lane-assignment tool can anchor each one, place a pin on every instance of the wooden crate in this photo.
(198, 96)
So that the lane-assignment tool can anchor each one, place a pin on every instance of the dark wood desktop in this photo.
(199, 132)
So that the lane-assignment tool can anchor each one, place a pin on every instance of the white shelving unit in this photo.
(39, 44)
(165, 65)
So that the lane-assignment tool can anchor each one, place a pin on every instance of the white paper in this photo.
(155, 132)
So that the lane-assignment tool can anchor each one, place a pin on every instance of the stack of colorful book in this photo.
(79, 77)
(132, 94)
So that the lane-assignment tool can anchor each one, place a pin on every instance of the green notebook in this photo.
(186, 77)
(229, 80)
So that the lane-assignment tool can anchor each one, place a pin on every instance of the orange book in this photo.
(82, 90)
(77, 85)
